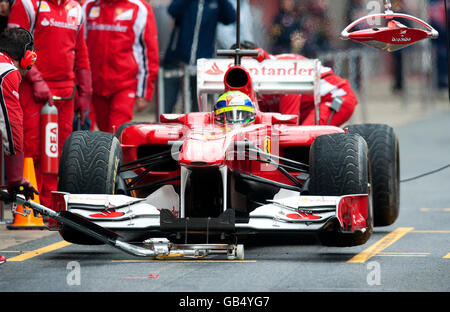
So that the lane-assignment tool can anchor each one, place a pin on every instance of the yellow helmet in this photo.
(234, 107)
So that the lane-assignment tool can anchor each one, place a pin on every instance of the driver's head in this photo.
(234, 107)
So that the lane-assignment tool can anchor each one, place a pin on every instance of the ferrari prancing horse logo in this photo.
(267, 144)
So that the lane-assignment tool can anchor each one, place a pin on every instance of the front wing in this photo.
(291, 213)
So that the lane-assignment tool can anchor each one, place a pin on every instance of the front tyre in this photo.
(339, 166)
(89, 164)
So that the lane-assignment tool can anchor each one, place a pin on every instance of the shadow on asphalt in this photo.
(257, 240)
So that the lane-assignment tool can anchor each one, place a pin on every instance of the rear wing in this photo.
(268, 77)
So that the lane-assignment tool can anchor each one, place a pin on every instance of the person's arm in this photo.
(338, 101)
(81, 50)
(12, 136)
(82, 73)
(148, 58)
(41, 91)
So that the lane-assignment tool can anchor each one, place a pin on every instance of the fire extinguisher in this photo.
(49, 139)
(49, 135)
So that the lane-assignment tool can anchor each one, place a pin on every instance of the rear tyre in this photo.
(339, 166)
(89, 165)
(385, 169)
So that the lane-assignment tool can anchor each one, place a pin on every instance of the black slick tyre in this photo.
(339, 166)
(385, 169)
(89, 164)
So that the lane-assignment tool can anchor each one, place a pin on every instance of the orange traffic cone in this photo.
(32, 220)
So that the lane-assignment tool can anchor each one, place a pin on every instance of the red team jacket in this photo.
(123, 47)
(58, 29)
(11, 116)
(331, 86)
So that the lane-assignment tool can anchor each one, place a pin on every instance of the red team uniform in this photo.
(11, 116)
(121, 36)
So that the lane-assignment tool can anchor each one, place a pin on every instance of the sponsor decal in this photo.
(215, 70)
(106, 27)
(107, 214)
(124, 16)
(44, 7)
(403, 39)
(45, 22)
(318, 199)
(51, 139)
(267, 144)
(95, 12)
(73, 16)
(294, 70)
(302, 216)
(15, 94)
(53, 23)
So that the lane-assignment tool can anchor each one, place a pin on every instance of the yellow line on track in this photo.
(435, 209)
(447, 256)
(431, 231)
(402, 254)
(40, 251)
(383, 255)
(380, 245)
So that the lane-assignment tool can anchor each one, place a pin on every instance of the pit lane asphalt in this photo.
(413, 254)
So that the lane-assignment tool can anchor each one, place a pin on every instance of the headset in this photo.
(29, 56)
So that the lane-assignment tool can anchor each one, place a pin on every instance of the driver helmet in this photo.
(234, 107)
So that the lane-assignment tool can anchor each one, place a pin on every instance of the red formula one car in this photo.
(185, 186)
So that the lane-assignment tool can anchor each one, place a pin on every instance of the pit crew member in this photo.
(16, 57)
(57, 26)
(121, 37)
(338, 100)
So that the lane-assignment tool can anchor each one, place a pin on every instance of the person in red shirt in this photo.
(58, 29)
(16, 57)
(338, 101)
(121, 36)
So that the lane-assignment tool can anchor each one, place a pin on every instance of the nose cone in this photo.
(204, 149)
